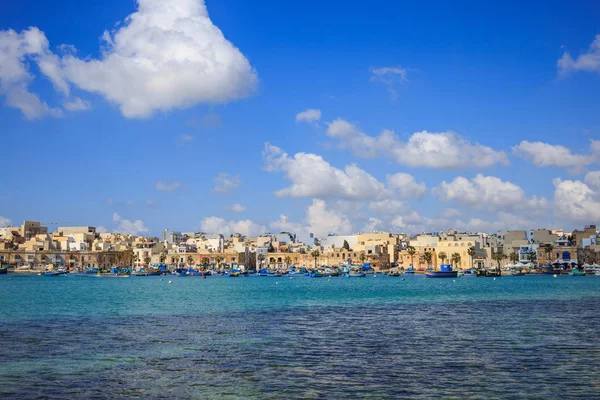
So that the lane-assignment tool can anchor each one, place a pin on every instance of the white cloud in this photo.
(406, 185)
(101, 229)
(225, 183)
(592, 179)
(283, 224)
(166, 55)
(312, 176)
(151, 203)
(238, 208)
(589, 61)
(489, 193)
(407, 221)
(16, 49)
(77, 104)
(322, 221)
(390, 76)
(167, 186)
(219, 225)
(423, 149)
(372, 225)
(310, 115)
(4, 222)
(186, 138)
(575, 201)
(548, 155)
(388, 206)
(128, 227)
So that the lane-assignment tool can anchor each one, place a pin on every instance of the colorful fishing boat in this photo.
(577, 272)
(355, 274)
(444, 272)
(233, 273)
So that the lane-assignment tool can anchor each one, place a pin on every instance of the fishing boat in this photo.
(316, 274)
(489, 273)
(577, 272)
(409, 270)
(355, 274)
(3, 270)
(444, 272)
(469, 273)
(234, 273)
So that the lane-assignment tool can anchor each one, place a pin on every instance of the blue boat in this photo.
(233, 273)
(316, 274)
(444, 272)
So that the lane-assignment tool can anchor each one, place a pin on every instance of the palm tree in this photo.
(288, 261)
(498, 257)
(514, 257)
(427, 256)
(455, 259)
(532, 257)
(411, 251)
(362, 258)
(205, 260)
(147, 260)
(190, 260)
(163, 257)
(315, 254)
(134, 259)
(471, 253)
(442, 256)
(548, 248)
(260, 258)
(218, 260)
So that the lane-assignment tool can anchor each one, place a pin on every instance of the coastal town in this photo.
(31, 247)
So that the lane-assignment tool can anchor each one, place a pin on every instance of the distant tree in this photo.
(443, 256)
(315, 254)
(427, 256)
(514, 257)
(261, 258)
(218, 260)
(455, 259)
(362, 258)
(471, 253)
(288, 261)
(147, 261)
(163, 257)
(411, 251)
(498, 257)
(548, 248)
(134, 259)
(205, 260)
(303, 251)
(190, 260)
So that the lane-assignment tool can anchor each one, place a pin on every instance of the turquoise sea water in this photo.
(255, 337)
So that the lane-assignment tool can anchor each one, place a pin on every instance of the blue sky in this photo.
(489, 72)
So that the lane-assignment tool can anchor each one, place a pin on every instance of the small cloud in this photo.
(110, 202)
(167, 186)
(225, 183)
(211, 120)
(116, 217)
(390, 76)
(238, 208)
(310, 115)
(4, 222)
(186, 138)
(77, 104)
(101, 229)
(151, 203)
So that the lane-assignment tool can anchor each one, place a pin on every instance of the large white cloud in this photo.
(128, 227)
(168, 54)
(388, 206)
(592, 179)
(406, 185)
(548, 155)
(16, 49)
(245, 227)
(422, 149)
(488, 193)
(589, 61)
(321, 220)
(312, 176)
(575, 201)
(162, 186)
